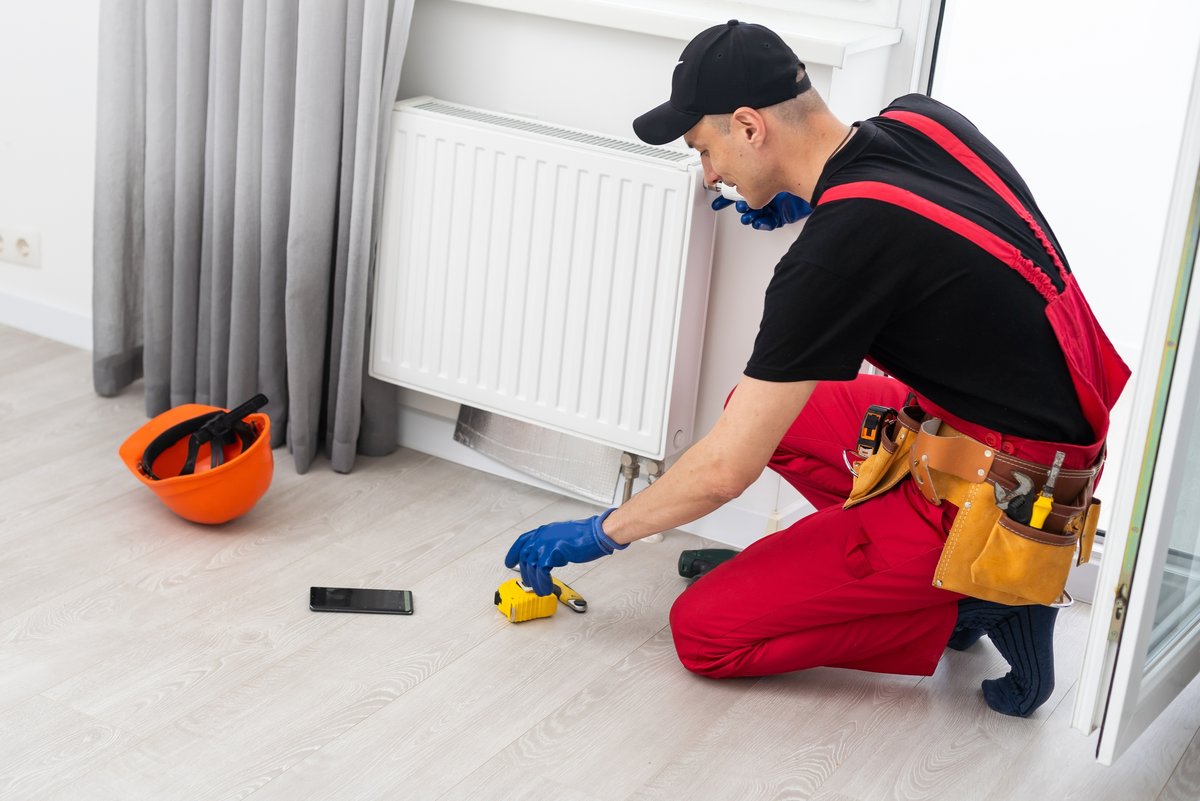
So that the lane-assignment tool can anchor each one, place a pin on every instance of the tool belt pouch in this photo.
(989, 555)
(1087, 537)
(1015, 563)
(885, 468)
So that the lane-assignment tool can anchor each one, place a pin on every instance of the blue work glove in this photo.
(556, 544)
(784, 208)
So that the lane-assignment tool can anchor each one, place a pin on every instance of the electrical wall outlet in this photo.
(21, 246)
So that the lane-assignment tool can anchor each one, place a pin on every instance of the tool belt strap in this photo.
(940, 452)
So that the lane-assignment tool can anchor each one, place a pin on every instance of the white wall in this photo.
(1088, 100)
(47, 162)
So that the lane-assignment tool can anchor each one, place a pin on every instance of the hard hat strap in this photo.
(219, 429)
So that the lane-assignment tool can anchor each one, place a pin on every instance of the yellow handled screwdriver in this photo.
(1045, 501)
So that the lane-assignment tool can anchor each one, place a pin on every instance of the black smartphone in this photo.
(347, 599)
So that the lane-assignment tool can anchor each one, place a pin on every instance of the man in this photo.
(926, 255)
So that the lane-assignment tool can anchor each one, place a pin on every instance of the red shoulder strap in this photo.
(1004, 251)
(945, 139)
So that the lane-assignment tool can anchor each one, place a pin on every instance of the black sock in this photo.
(1024, 636)
(964, 637)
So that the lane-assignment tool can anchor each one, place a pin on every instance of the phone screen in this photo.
(346, 599)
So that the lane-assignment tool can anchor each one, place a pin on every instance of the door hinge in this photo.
(1120, 608)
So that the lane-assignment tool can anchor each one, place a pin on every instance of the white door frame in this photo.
(1115, 690)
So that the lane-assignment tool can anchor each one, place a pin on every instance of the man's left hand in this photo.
(783, 209)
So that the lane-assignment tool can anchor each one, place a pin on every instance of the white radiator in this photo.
(552, 275)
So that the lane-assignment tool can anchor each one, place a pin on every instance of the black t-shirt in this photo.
(868, 279)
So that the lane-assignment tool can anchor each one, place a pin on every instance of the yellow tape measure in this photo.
(519, 603)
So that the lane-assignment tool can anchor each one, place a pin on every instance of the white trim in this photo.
(820, 40)
(1140, 693)
(1100, 670)
(733, 525)
(928, 46)
(46, 320)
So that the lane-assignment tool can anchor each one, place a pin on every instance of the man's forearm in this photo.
(719, 467)
(692, 488)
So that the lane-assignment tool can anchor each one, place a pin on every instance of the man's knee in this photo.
(696, 644)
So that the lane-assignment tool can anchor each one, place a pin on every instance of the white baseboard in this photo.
(46, 320)
(734, 525)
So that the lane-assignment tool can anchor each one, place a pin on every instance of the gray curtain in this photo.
(239, 163)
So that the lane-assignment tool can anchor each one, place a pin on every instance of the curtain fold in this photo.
(159, 193)
(120, 183)
(240, 150)
(279, 108)
(312, 225)
(352, 388)
(244, 298)
(191, 34)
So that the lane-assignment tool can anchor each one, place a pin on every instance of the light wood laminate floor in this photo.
(142, 657)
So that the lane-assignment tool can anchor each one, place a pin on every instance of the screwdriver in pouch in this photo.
(1045, 501)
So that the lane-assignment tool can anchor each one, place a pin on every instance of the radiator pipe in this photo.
(630, 469)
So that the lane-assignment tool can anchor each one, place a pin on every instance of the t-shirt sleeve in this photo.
(820, 317)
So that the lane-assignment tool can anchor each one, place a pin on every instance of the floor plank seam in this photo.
(1179, 763)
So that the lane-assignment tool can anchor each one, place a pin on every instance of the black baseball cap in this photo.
(724, 68)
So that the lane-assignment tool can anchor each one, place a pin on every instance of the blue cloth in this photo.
(554, 545)
(783, 209)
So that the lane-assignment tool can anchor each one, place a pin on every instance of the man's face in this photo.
(726, 158)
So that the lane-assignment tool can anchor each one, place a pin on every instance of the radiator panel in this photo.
(554, 276)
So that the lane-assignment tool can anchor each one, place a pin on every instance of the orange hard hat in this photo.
(207, 464)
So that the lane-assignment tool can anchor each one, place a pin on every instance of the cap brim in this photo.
(664, 124)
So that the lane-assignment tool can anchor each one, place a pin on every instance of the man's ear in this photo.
(748, 124)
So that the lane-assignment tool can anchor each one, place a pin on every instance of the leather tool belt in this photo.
(987, 554)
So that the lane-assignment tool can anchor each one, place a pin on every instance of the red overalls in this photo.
(852, 587)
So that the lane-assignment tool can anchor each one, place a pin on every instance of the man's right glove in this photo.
(784, 208)
(554, 545)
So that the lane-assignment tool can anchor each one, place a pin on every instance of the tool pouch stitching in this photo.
(1021, 561)
(989, 555)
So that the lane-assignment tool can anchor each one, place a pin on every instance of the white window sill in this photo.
(818, 40)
